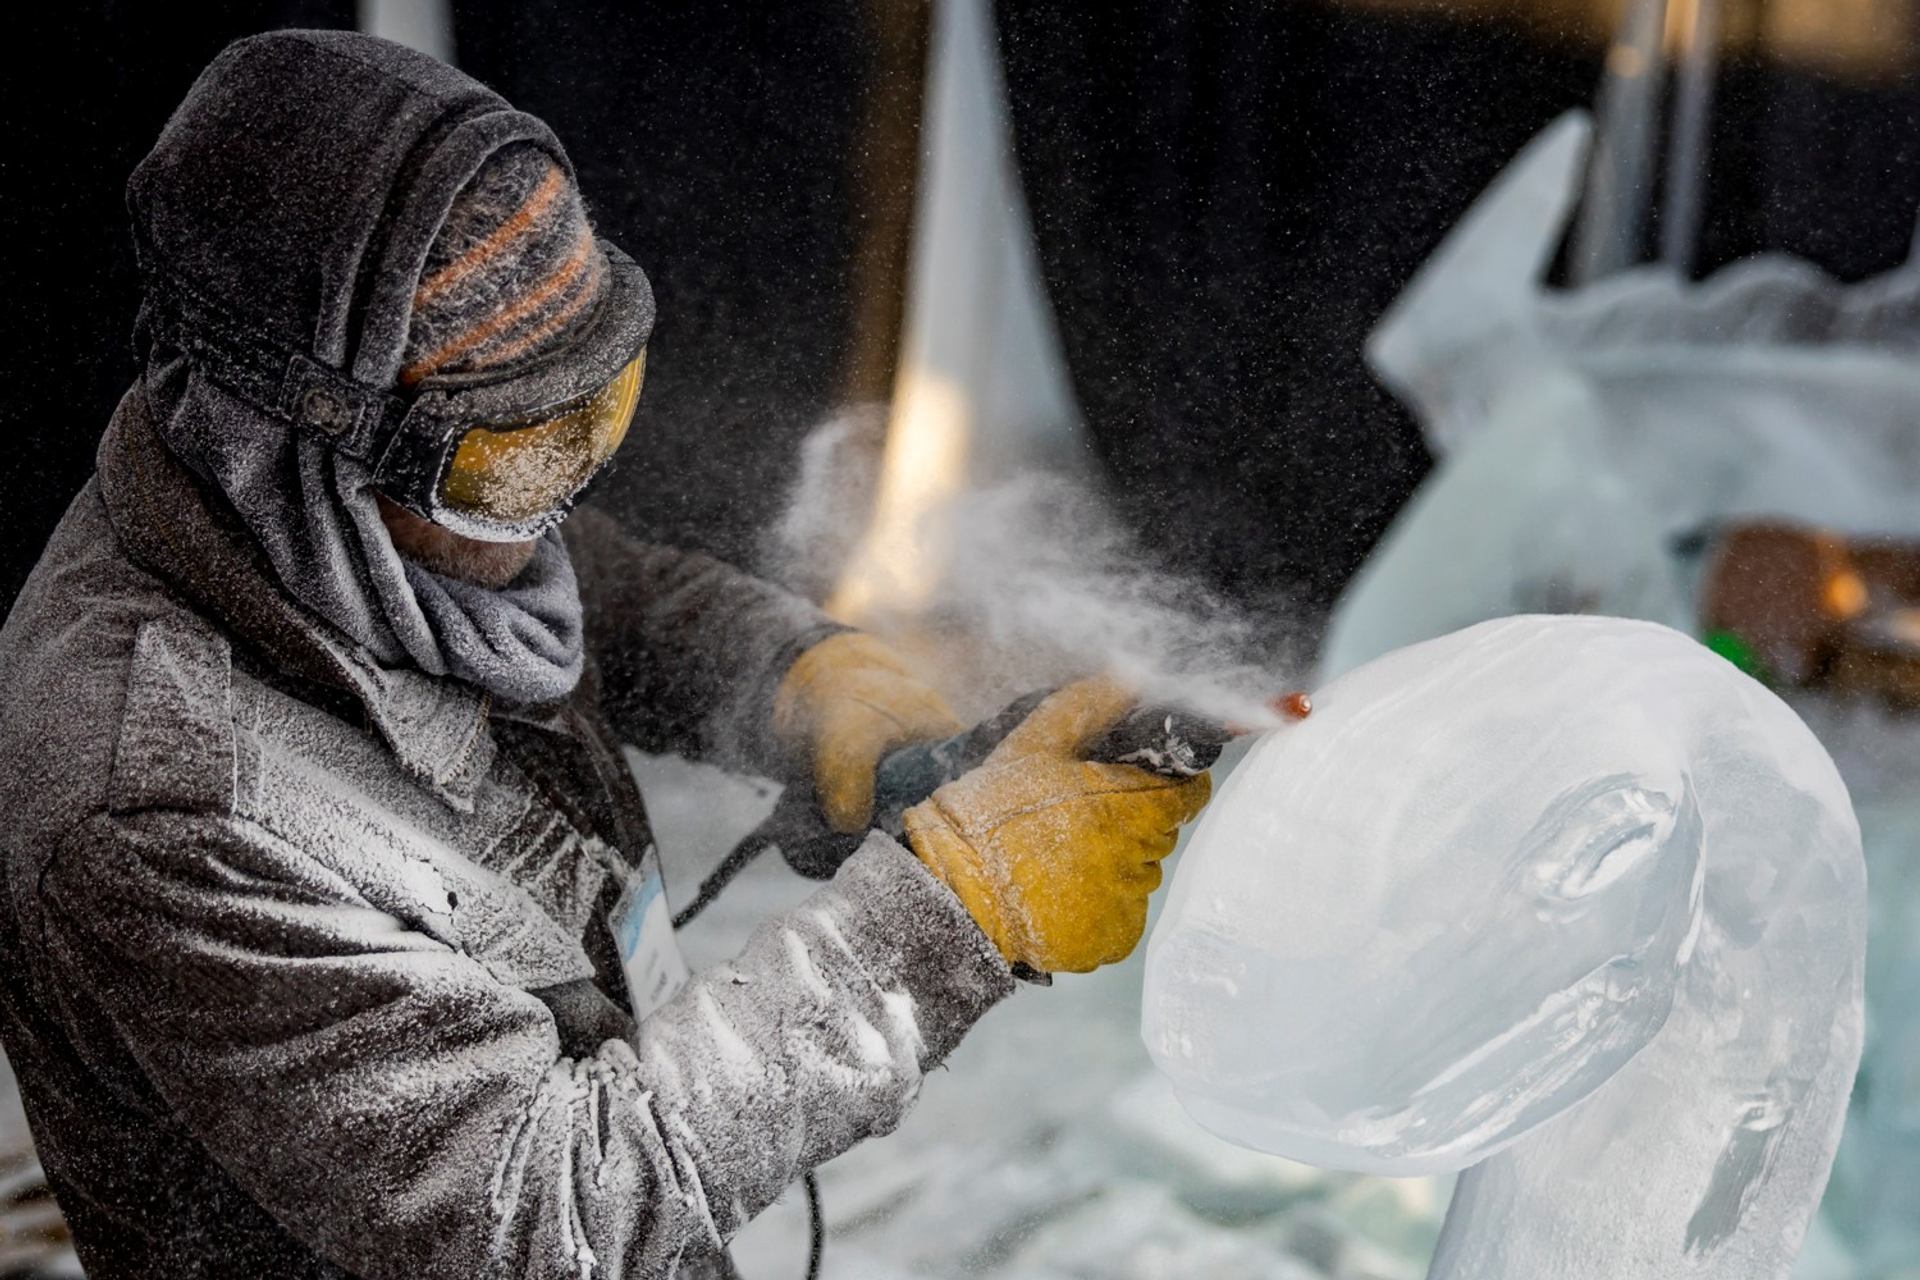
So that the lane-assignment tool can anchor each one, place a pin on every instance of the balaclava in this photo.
(341, 238)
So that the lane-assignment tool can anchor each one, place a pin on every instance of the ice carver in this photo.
(332, 939)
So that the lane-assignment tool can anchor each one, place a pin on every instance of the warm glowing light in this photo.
(1845, 595)
(1843, 592)
(925, 465)
(1626, 62)
(1864, 34)
(1905, 625)
(1862, 38)
(1683, 27)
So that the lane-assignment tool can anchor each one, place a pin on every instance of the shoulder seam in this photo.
(175, 747)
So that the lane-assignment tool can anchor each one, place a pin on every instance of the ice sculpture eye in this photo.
(1598, 834)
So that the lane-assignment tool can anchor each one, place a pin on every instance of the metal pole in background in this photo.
(1694, 43)
(1619, 184)
(426, 25)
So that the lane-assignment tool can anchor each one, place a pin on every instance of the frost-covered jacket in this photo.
(304, 963)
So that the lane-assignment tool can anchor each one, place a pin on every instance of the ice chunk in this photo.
(1567, 899)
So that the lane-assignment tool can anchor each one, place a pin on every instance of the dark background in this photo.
(1226, 197)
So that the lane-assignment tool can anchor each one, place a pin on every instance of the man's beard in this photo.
(485, 564)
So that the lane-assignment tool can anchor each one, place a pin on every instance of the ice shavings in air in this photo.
(1569, 903)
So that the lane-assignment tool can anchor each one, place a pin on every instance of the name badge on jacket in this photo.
(643, 931)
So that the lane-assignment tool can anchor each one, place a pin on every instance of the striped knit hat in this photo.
(514, 267)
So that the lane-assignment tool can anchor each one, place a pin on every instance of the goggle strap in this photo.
(353, 418)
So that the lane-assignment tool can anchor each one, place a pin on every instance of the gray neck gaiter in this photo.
(521, 642)
(312, 510)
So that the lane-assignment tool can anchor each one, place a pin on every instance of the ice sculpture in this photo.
(1567, 902)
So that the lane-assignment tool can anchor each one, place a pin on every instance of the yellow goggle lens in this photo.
(512, 474)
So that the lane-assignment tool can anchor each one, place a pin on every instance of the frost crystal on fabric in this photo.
(224, 218)
(318, 949)
(305, 967)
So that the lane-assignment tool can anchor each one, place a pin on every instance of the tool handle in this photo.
(1171, 743)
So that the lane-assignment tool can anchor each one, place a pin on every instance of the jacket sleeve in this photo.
(689, 649)
(407, 1115)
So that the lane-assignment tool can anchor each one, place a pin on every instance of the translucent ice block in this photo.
(1567, 901)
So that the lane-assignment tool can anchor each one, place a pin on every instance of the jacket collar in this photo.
(169, 524)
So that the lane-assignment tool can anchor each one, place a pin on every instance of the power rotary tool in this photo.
(1163, 740)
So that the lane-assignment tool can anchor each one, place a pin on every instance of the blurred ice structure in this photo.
(1582, 439)
(1569, 903)
(1873, 1204)
(1583, 436)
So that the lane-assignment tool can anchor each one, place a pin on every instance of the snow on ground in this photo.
(33, 1240)
(1047, 1149)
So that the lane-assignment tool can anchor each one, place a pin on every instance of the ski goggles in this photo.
(497, 455)
(470, 454)
(500, 477)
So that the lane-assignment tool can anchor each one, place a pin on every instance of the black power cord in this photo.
(730, 866)
(816, 1225)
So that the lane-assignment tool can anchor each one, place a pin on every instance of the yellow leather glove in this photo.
(845, 703)
(1054, 856)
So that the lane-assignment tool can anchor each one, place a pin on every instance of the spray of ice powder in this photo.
(1043, 585)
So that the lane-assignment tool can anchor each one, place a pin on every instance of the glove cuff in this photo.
(958, 865)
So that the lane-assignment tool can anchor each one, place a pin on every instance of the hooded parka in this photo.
(305, 962)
